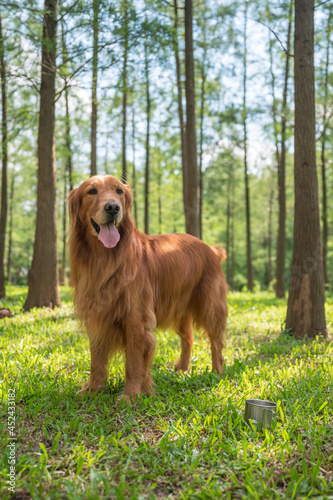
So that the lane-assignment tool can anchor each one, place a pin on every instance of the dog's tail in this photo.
(220, 252)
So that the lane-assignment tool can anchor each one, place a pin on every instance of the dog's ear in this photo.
(74, 202)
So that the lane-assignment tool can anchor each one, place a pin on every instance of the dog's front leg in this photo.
(140, 349)
(99, 352)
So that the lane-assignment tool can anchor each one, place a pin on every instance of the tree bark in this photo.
(246, 175)
(323, 153)
(135, 207)
(269, 236)
(191, 176)
(306, 312)
(228, 232)
(10, 232)
(180, 104)
(202, 115)
(159, 200)
(147, 140)
(124, 110)
(281, 238)
(93, 136)
(3, 214)
(43, 276)
(67, 171)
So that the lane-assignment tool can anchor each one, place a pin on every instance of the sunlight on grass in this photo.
(190, 440)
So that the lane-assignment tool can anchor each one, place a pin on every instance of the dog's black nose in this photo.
(111, 207)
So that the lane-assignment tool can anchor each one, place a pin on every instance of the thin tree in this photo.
(148, 112)
(269, 235)
(93, 135)
(325, 121)
(159, 197)
(191, 205)
(182, 124)
(306, 311)
(202, 116)
(10, 230)
(43, 276)
(229, 220)
(3, 214)
(68, 183)
(125, 91)
(135, 205)
(281, 238)
(246, 174)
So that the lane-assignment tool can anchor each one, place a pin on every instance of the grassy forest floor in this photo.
(190, 440)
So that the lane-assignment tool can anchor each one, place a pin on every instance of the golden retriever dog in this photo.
(127, 284)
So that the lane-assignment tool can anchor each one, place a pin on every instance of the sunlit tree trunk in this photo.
(281, 239)
(246, 175)
(202, 115)
(191, 175)
(93, 136)
(68, 183)
(43, 276)
(147, 172)
(125, 91)
(180, 102)
(269, 236)
(135, 207)
(3, 213)
(323, 150)
(306, 312)
(10, 230)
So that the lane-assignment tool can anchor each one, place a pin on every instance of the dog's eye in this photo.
(119, 191)
(92, 191)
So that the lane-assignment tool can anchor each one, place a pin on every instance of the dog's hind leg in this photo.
(214, 325)
(186, 339)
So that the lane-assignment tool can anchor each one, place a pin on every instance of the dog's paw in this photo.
(129, 399)
(89, 389)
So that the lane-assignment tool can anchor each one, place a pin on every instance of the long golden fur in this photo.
(127, 283)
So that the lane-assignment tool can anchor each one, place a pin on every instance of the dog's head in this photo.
(100, 206)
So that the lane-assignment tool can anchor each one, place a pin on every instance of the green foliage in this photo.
(218, 59)
(190, 440)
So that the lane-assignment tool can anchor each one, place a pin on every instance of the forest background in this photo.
(117, 73)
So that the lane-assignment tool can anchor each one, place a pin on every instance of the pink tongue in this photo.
(109, 235)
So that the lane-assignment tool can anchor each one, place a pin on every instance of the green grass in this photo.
(190, 440)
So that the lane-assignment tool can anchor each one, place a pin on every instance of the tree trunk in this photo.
(246, 176)
(202, 115)
(323, 153)
(135, 207)
(306, 312)
(228, 232)
(159, 195)
(124, 111)
(232, 238)
(64, 232)
(180, 104)
(10, 232)
(3, 214)
(281, 239)
(43, 276)
(93, 137)
(67, 171)
(191, 176)
(68, 181)
(147, 141)
(269, 236)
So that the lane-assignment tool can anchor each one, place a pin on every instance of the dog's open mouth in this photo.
(108, 234)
